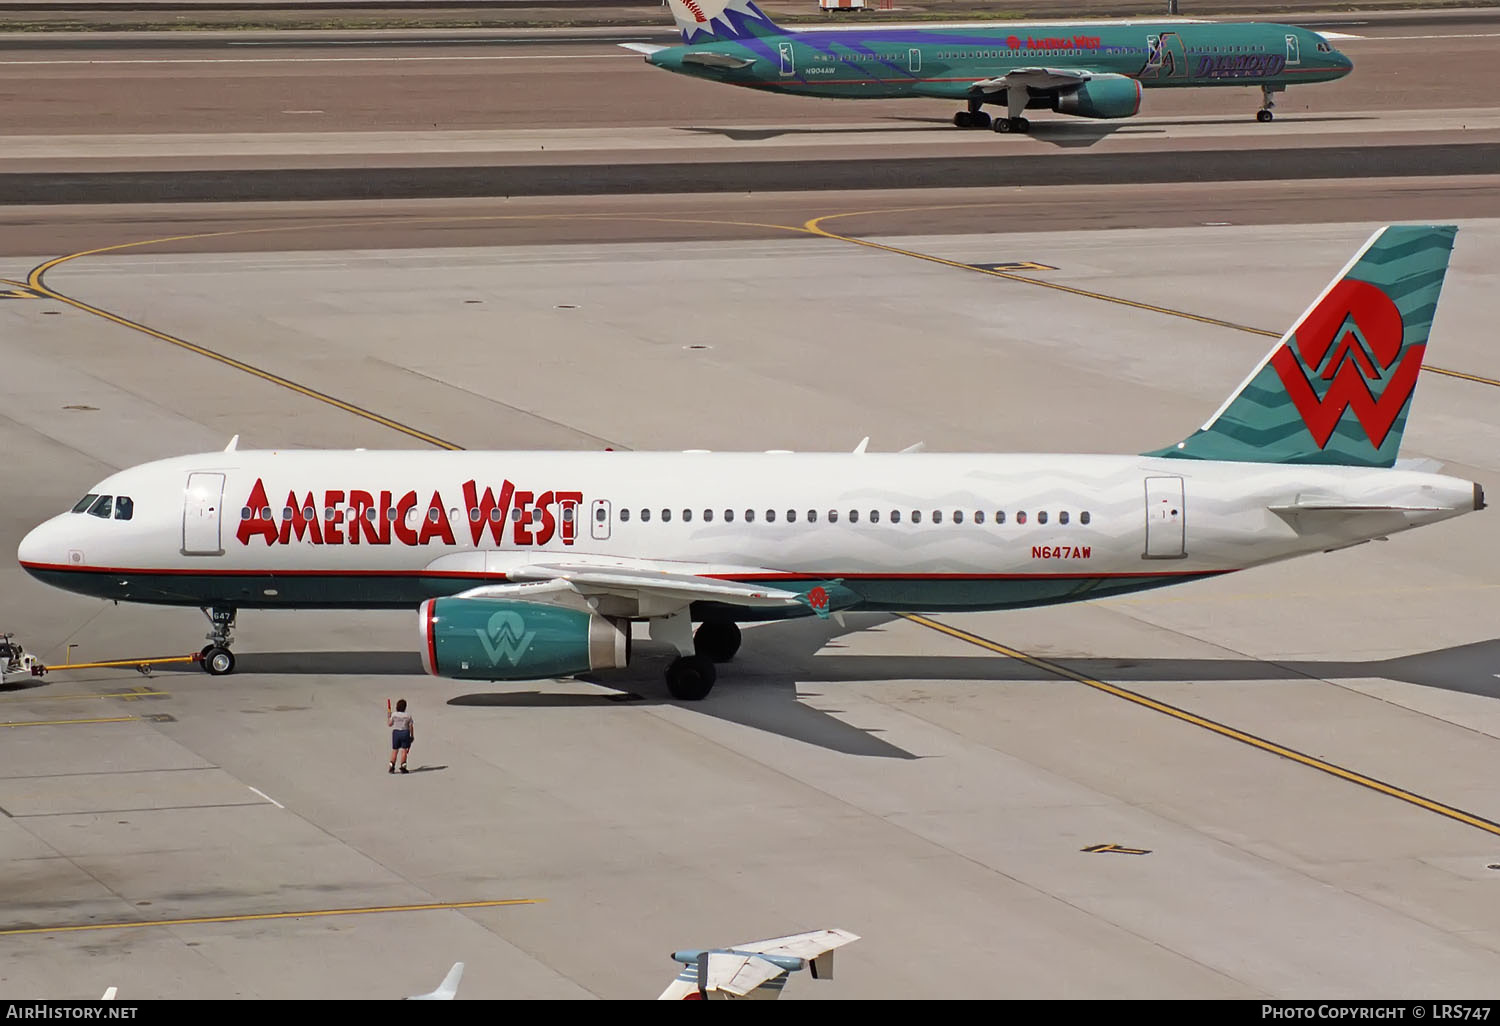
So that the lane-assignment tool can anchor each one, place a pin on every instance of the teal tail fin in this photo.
(1337, 387)
(715, 21)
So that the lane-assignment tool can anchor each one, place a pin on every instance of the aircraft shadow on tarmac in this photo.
(760, 688)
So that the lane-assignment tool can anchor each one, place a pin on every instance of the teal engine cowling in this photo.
(1103, 96)
(491, 639)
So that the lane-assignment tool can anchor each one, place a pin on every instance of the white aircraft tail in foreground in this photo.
(447, 990)
(755, 970)
(526, 565)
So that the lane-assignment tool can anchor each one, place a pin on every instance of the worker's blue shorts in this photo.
(400, 739)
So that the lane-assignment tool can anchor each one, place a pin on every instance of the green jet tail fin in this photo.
(1337, 387)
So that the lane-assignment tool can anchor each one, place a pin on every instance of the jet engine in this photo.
(1103, 96)
(490, 639)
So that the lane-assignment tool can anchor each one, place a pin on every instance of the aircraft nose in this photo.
(39, 546)
(1342, 63)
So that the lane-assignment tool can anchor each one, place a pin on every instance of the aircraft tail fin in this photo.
(712, 21)
(447, 990)
(1337, 387)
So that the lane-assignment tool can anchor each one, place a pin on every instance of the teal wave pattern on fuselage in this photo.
(947, 62)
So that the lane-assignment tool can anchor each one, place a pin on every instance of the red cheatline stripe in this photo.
(771, 576)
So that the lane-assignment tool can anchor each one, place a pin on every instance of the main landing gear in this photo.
(1266, 103)
(974, 117)
(215, 657)
(691, 677)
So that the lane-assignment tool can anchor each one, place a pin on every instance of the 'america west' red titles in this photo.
(384, 518)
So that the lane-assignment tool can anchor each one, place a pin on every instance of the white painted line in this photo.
(304, 112)
(267, 797)
(1467, 35)
(337, 60)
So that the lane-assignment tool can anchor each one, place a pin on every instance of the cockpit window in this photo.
(102, 507)
(124, 507)
(85, 502)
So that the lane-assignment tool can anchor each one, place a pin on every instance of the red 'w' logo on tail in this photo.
(1354, 334)
(697, 11)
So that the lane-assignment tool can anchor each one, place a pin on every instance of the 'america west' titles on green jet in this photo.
(1086, 69)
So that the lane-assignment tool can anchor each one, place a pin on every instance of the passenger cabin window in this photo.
(812, 516)
(708, 514)
(749, 516)
(979, 516)
(1021, 517)
(645, 515)
(729, 516)
(87, 501)
(1041, 517)
(1083, 518)
(666, 515)
(854, 516)
(874, 516)
(791, 516)
(958, 516)
(624, 514)
(895, 516)
(833, 516)
(1062, 518)
(687, 514)
(1000, 517)
(124, 507)
(937, 516)
(916, 516)
(770, 516)
(102, 507)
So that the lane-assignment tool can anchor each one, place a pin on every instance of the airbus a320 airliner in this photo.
(529, 564)
(1086, 69)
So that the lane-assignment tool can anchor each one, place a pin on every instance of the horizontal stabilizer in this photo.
(646, 48)
(709, 59)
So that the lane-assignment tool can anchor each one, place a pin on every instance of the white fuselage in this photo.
(910, 531)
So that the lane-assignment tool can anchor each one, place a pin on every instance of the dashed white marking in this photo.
(267, 797)
(1465, 35)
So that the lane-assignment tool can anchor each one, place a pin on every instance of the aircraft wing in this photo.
(630, 582)
(810, 946)
(1037, 80)
(738, 973)
(641, 588)
(646, 48)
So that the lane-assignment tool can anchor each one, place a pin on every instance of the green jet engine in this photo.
(1103, 96)
(491, 639)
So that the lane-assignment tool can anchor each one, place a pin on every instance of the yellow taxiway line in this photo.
(254, 916)
(1390, 790)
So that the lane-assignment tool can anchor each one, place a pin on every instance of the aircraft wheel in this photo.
(691, 678)
(963, 119)
(203, 654)
(218, 661)
(981, 119)
(717, 641)
(1263, 116)
(1002, 125)
(1022, 125)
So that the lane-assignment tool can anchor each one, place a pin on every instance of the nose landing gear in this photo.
(215, 657)
(1266, 103)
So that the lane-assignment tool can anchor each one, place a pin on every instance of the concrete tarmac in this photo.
(916, 787)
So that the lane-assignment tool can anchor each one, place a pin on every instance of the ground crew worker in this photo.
(403, 732)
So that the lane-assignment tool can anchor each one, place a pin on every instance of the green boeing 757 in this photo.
(1087, 69)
